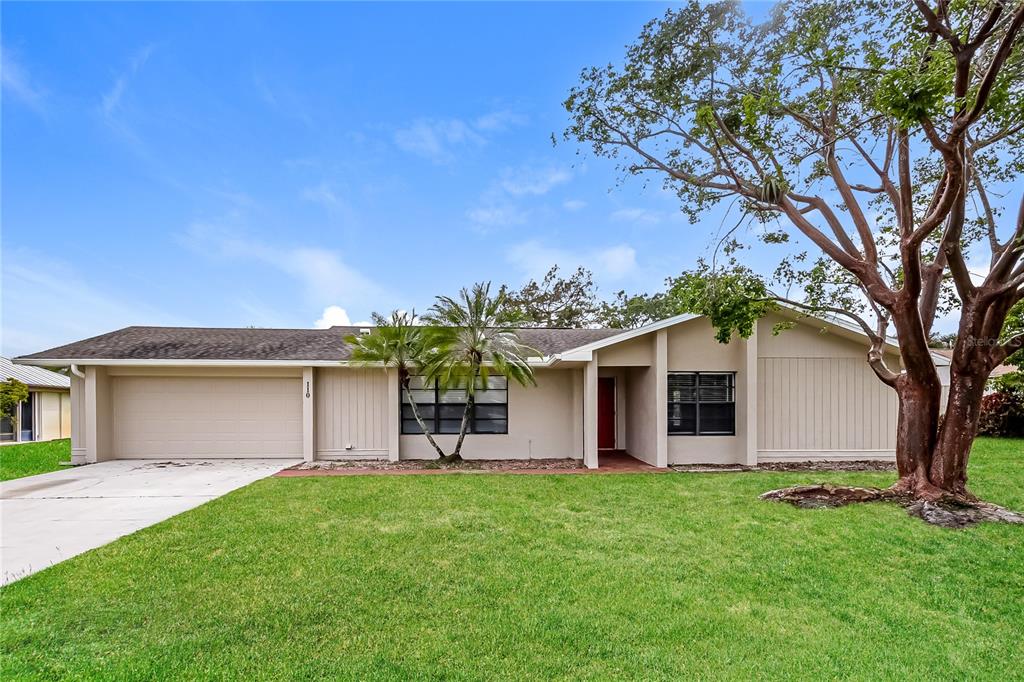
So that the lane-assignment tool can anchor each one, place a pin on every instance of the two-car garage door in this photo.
(206, 417)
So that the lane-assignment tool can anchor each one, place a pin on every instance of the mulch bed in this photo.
(377, 466)
(532, 466)
(852, 465)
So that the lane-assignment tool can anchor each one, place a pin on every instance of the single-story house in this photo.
(46, 414)
(667, 393)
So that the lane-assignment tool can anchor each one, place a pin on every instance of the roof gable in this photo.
(840, 327)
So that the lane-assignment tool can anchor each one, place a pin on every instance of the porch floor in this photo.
(620, 460)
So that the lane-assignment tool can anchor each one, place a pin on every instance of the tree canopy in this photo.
(875, 137)
(809, 121)
(12, 392)
(554, 301)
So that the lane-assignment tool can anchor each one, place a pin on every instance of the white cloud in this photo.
(333, 201)
(497, 206)
(499, 121)
(535, 258)
(617, 261)
(325, 195)
(574, 205)
(496, 216)
(323, 274)
(439, 139)
(111, 100)
(17, 81)
(436, 139)
(536, 181)
(638, 215)
(321, 194)
(47, 302)
(336, 316)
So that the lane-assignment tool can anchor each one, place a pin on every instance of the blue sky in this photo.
(254, 164)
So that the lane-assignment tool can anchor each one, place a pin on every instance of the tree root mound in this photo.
(950, 512)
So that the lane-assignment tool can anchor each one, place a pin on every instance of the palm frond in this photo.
(473, 335)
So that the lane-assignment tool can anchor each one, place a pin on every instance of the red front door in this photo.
(606, 413)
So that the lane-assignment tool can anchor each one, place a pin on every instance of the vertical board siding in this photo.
(351, 409)
(819, 404)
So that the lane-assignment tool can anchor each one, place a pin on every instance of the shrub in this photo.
(1002, 414)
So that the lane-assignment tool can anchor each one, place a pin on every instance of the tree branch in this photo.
(989, 79)
(936, 25)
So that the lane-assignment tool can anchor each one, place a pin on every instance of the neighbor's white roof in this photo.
(33, 376)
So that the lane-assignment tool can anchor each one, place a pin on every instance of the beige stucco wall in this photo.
(692, 348)
(541, 425)
(805, 340)
(638, 352)
(352, 415)
(817, 397)
(641, 414)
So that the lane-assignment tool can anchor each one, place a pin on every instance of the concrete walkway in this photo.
(48, 518)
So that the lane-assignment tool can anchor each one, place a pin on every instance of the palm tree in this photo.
(470, 339)
(400, 344)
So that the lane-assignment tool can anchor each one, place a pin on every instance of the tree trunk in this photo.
(457, 454)
(916, 431)
(960, 425)
(932, 453)
(419, 420)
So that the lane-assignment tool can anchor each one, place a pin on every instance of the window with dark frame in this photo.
(702, 403)
(442, 410)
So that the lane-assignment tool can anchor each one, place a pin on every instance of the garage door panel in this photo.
(156, 417)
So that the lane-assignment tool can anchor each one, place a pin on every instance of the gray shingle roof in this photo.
(36, 377)
(201, 343)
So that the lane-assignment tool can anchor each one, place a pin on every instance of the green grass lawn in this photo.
(669, 576)
(29, 459)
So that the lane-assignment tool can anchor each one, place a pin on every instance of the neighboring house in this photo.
(666, 393)
(47, 412)
(944, 371)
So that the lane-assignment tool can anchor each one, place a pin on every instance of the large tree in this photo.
(878, 133)
(554, 301)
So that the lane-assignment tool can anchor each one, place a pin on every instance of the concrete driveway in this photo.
(48, 518)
